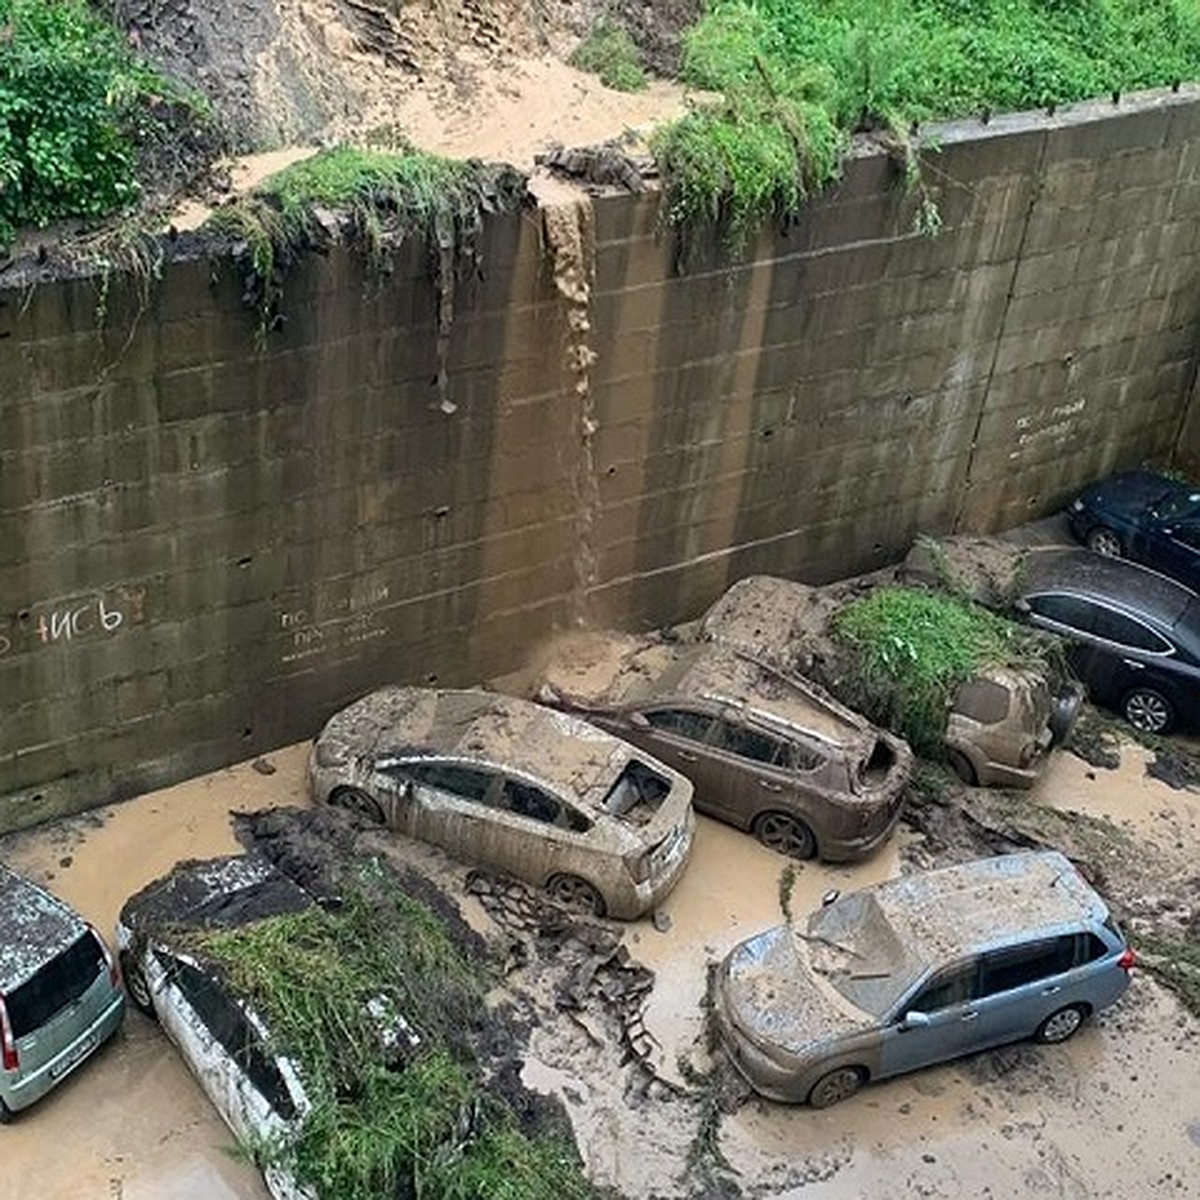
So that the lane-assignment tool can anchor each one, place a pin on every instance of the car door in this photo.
(1180, 557)
(1099, 663)
(678, 734)
(1023, 984)
(541, 834)
(452, 805)
(938, 1022)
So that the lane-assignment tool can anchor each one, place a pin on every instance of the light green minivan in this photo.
(60, 992)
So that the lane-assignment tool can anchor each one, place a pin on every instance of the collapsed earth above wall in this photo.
(206, 546)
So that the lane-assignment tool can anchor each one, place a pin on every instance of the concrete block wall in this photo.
(206, 547)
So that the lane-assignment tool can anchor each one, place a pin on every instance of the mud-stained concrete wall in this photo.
(206, 547)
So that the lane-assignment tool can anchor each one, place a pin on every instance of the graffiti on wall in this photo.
(341, 625)
(63, 622)
(1050, 423)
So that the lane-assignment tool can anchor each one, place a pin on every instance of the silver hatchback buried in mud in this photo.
(917, 971)
(60, 993)
(507, 784)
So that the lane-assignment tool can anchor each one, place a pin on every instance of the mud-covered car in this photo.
(766, 751)
(1000, 723)
(225, 1043)
(507, 784)
(60, 993)
(917, 971)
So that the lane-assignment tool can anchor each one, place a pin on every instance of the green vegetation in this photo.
(422, 1127)
(78, 112)
(812, 72)
(1175, 962)
(912, 648)
(378, 195)
(609, 52)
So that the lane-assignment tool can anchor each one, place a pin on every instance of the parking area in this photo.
(1115, 1112)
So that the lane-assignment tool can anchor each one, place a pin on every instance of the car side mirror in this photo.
(829, 897)
(1021, 605)
(914, 1020)
(639, 720)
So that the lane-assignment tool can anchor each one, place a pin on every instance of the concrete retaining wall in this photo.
(206, 547)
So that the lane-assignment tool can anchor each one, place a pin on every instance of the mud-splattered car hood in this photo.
(34, 927)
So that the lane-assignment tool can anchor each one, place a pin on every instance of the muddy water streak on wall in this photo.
(205, 547)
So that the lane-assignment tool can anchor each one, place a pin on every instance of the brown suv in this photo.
(766, 751)
(1000, 725)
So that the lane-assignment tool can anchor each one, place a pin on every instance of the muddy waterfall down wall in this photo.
(206, 547)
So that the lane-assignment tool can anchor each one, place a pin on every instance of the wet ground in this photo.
(1114, 1113)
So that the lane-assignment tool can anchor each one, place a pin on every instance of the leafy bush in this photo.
(883, 64)
(74, 104)
(610, 52)
(912, 648)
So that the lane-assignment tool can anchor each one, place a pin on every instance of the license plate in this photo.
(78, 1052)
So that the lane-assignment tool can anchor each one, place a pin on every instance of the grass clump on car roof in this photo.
(423, 1123)
(911, 648)
(822, 70)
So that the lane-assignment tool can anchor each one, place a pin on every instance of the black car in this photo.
(1144, 516)
(1134, 634)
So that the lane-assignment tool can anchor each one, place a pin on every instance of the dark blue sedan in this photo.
(1146, 517)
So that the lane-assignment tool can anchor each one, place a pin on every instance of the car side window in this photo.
(230, 1026)
(464, 782)
(948, 988)
(1017, 966)
(1069, 611)
(681, 721)
(748, 743)
(525, 800)
(1125, 631)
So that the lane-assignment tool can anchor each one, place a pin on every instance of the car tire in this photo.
(1105, 541)
(1148, 710)
(357, 801)
(785, 834)
(836, 1086)
(5, 1113)
(576, 895)
(136, 986)
(962, 766)
(1061, 1025)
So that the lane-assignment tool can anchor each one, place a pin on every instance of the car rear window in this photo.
(60, 982)
(982, 700)
(637, 794)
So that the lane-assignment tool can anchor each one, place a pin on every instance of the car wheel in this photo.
(5, 1113)
(837, 1086)
(962, 766)
(1060, 1025)
(1148, 710)
(1105, 541)
(576, 895)
(135, 984)
(355, 800)
(785, 834)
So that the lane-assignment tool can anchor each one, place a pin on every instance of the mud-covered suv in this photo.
(60, 993)
(1000, 723)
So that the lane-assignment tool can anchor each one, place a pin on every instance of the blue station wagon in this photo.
(919, 970)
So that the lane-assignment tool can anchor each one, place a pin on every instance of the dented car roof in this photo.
(34, 927)
(486, 727)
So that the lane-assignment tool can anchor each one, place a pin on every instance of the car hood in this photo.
(1130, 492)
(777, 1001)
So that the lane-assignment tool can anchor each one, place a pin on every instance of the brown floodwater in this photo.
(1113, 1113)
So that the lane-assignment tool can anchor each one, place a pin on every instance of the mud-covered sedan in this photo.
(766, 751)
(917, 971)
(512, 785)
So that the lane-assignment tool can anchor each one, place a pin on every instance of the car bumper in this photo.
(31, 1088)
(766, 1076)
(631, 902)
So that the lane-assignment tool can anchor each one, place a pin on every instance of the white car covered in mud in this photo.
(514, 786)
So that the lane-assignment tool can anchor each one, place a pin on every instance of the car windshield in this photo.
(853, 946)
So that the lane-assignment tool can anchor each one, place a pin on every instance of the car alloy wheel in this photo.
(785, 834)
(357, 801)
(576, 895)
(835, 1087)
(1059, 1026)
(1148, 710)
(1104, 541)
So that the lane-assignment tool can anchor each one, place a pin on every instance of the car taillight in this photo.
(1127, 960)
(8, 1048)
(114, 975)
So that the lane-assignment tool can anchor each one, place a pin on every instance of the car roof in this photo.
(34, 927)
(1083, 573)
(993, 901)
(563, 751)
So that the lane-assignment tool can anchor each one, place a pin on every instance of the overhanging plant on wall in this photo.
(372, 199)
(796, 79)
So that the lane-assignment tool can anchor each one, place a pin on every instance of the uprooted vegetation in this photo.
(909, 649)
(444, 1119)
